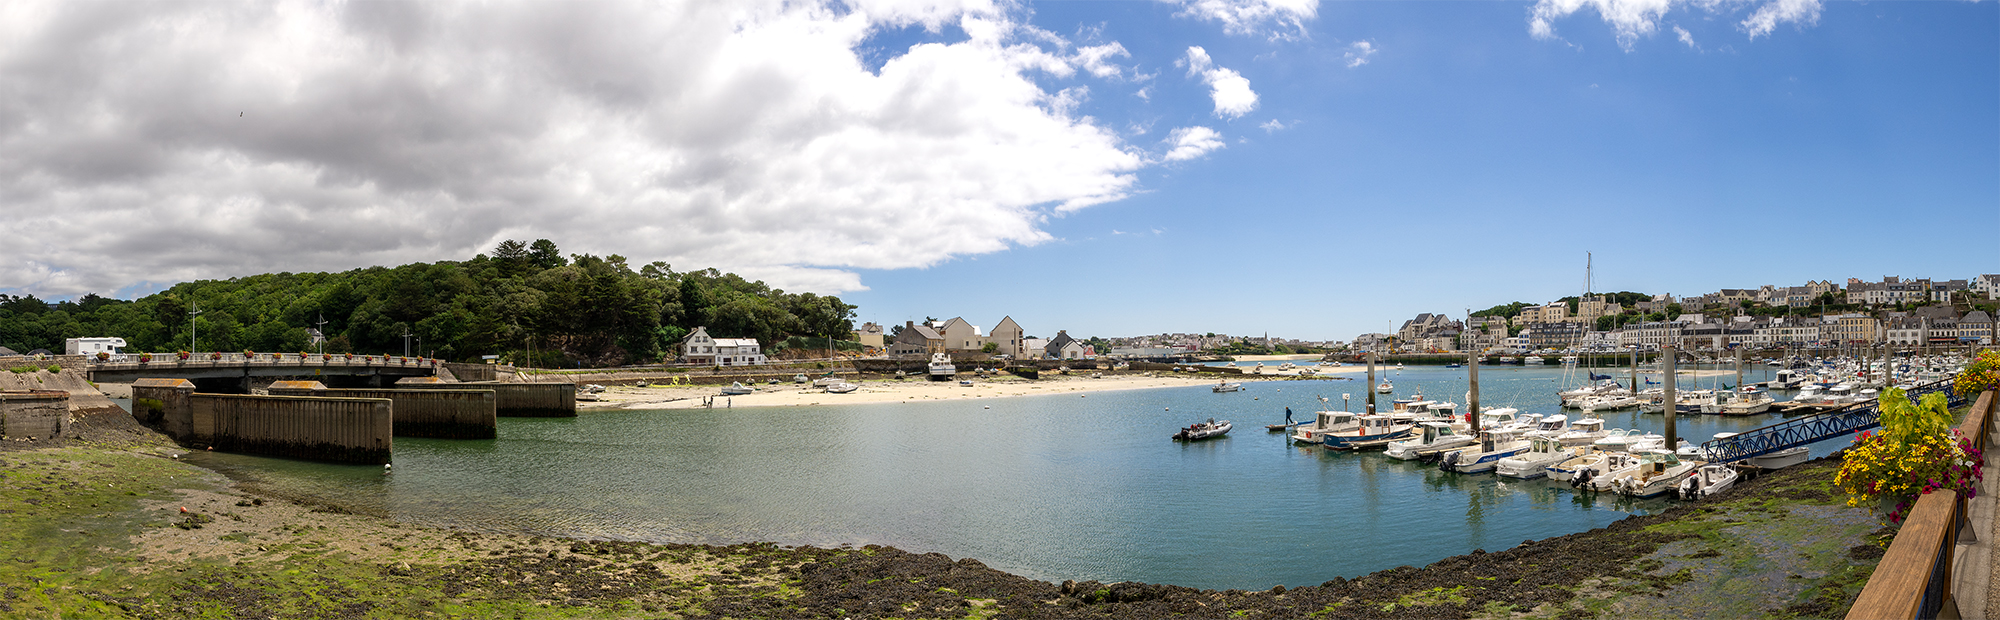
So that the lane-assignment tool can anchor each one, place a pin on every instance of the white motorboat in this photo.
(965, 382)
(1780, 459)
(799, 378)
(1484, 456)
(1203, 430)
(941, 368)
(1226, 386)
(1543, 451)
(1534, 360)
(842, 388)
(1385, 387)
(1326, 422)
(1708, 481)
(1581, 469)
(1748, 404)
(737, 389)
(1583, 432)
(1431, 438)
(1551, 425)
(1657, 473)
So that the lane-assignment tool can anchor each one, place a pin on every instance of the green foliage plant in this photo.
(1915, 452)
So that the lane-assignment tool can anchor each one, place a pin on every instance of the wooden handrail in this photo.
(1896, 590)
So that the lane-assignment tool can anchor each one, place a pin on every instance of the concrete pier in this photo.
(350, 430)
(515, 400)
(450, 412)
(34, 414)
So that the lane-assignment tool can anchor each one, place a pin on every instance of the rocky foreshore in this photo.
(109, 524)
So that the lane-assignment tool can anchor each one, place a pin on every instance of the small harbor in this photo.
(1055, 487)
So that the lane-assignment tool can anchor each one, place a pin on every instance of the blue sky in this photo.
(1311, 169)
(1469, 164)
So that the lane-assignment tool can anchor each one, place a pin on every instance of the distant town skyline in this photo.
(1316, 170)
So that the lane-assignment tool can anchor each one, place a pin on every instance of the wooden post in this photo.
(1673, 410)
(1472, 415)
(1371, 382)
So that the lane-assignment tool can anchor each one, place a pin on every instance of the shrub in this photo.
(55, 369)
(1981, 375)
(1916, 452)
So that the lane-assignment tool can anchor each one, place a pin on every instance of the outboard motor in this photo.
(1444, 464)
(1580, 478)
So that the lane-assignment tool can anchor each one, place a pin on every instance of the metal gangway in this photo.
(1814, 428)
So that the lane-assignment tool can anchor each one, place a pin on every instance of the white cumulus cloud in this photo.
(1278, 19)
(159, 142)
(1187, 143)
(1358, 53)
(1230, 90)
(1631, 20)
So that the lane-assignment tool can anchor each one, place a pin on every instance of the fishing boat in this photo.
(1203, 430)
(1226, 386)
(941, 368)
(842, 388)
(1543, 451)
(1430, 439)
(1707, 481)
(1376, 430)
(737, 389)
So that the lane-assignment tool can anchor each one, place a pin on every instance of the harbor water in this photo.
(1051, 487)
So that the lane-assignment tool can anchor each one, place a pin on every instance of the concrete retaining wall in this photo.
(520, 400)
(164, 403)
(471, 372)
(34, 414)
(352, 430)
(458, 413)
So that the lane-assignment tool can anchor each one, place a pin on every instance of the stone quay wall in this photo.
(34, 414)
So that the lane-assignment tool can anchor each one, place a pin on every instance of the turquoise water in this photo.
(1051, 487)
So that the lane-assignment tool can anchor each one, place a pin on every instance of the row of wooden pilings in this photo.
(1914, 578)
(305, 419)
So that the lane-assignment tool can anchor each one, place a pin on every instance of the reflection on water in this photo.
(1051, 487)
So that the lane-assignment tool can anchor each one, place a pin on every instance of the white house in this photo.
(700, 348)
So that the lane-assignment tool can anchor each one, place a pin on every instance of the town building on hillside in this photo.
(1007, 336)
(1987, 284)
(1976, 327)
(917, 340)
(1853, 329)
(1562, 335)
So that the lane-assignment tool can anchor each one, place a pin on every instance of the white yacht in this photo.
(1582, 432)
(1581, 469)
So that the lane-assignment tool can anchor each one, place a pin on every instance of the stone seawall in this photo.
(466, 413)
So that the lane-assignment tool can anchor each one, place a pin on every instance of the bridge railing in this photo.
(1813, 428)
(216, 358)
(1913, 579)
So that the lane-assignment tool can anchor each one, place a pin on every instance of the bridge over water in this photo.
(232, 371)
(1815, 428)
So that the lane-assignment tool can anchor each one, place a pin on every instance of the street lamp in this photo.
(192, 311)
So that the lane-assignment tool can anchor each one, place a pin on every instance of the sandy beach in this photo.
(915, 390)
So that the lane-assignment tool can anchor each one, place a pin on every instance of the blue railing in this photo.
(1814, 428)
